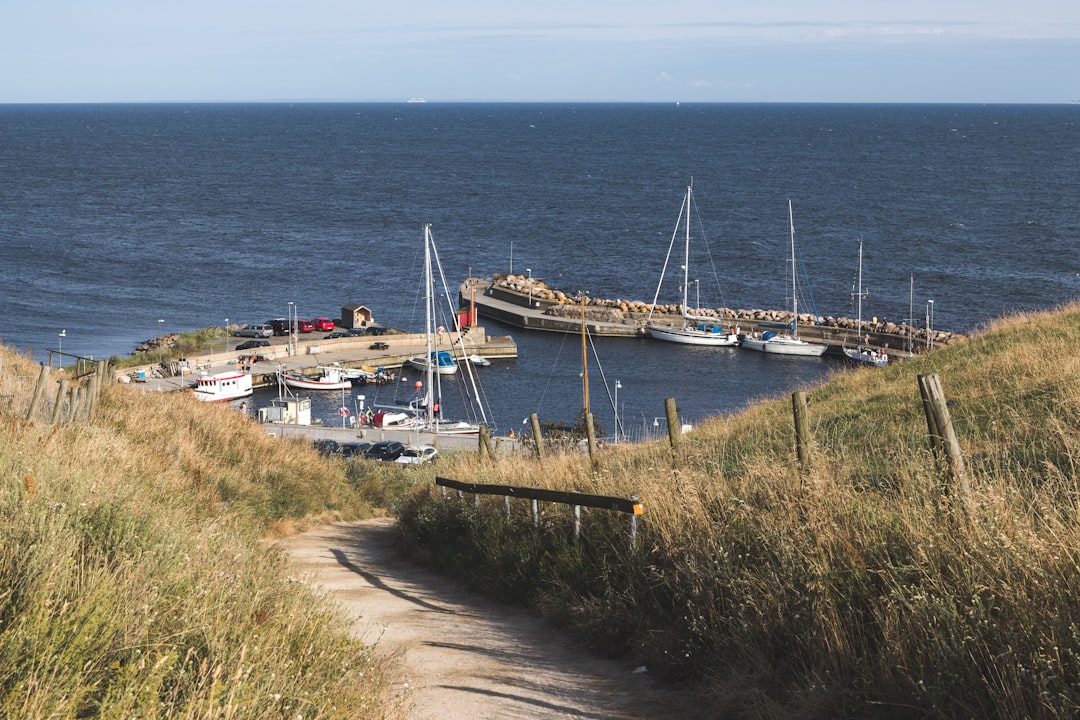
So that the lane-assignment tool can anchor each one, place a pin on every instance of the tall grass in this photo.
(858, 587)
(136, 577)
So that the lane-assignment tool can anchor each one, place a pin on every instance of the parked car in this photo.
(255, 331)
(280, 326)
(252, 344)
(387, 450)
(373, 330)
(378, 346)
(417, 454)
(305, 326)
(323, 324)
(354, 449)
(356, 332)
(327, 447)
(337, 334)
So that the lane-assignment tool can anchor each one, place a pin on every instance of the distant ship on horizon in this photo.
(416, 100)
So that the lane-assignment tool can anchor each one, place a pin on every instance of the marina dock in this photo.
(529, 304)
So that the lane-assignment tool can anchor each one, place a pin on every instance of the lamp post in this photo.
(60, 350)
(617, 386)
(226, 336)
(291, 304)
(160, 341)
(529, 270)
(929, 324)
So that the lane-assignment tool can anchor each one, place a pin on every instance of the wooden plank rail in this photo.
(631, 506)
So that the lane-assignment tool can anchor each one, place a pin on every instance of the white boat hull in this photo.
(866, 356)
(784, 345)
(222, 387)
(299, 383)
(693, 336)
(422, 364)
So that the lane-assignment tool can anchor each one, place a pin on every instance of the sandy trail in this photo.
(466, 657)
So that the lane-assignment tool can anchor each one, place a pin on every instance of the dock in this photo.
(527, 303)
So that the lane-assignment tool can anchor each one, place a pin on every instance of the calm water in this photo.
(115, 216)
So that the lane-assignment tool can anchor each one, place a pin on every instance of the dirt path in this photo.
(465, 657)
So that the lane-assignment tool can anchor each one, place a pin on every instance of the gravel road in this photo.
(465, 657)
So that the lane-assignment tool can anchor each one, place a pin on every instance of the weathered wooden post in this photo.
(802, 429)
(538, 438)
(57, 413)
(577, 523)
(590, 434)
(672, 413)
(638, 509)
(39, 388)
(943, 436)
(485, 443)
(535, 513)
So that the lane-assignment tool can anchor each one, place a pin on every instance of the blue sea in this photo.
(113, 217)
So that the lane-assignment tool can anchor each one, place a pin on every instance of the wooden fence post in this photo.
(802, 429)
(58, 410)
(590, 434)
(538, 439)
(943, 436)
(485, 443)
(39, 388)
(672, 413)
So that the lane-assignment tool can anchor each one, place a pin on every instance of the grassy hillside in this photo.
(136, 579)
(866, 585)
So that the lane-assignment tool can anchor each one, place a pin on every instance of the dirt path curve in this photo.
(466, 658)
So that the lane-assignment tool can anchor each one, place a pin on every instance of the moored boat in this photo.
(222, 386)
(441, 362)
(330, 377)
(695, 327)
(784, 343)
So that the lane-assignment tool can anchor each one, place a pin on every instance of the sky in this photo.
(963, 51)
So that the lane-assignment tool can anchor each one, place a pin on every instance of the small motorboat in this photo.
(479, 360)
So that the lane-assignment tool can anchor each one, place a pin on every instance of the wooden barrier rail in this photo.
(631, 506)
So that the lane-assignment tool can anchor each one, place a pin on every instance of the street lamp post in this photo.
(60, 350)
(929, 324)
(226, 336)
(160, 341)
(529, 270)
(617, 386)
(291, 327)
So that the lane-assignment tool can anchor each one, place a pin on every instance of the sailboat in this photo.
(779, 343)
(695, 328)
(863, 354)
(431, 401)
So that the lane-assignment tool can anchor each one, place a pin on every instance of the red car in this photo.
(323, 324)
(305, 326)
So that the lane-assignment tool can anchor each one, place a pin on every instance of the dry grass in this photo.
(858, 588)
(136, 582)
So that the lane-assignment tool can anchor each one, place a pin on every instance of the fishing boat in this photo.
(222, 387)
(775, 340)
(695, 327)
(863, 354)
(329, 377)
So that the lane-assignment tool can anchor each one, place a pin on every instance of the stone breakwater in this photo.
(556, 303)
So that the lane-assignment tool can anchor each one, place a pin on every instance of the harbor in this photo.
(528, 303)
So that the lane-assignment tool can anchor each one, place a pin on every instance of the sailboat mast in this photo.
(686, 258)
(859, 294)
(584, 359)
(429, 300)
(794, 291)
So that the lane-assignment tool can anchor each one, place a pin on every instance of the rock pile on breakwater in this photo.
(558, 304)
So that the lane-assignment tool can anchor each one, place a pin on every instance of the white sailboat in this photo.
(781, 343)
(431, 402)
(863, 354)
(694, 328)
